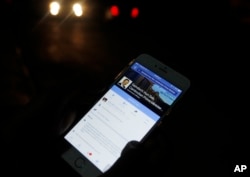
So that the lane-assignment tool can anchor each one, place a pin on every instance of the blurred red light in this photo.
(134, 12)
(114, 10)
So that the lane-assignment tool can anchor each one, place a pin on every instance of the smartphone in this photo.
(142, 94)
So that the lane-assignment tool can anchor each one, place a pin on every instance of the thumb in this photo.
(130, 146)
(127, 163)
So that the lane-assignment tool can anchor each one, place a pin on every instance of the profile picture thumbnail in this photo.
(124, 82)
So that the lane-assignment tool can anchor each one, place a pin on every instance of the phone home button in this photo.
(79, 162)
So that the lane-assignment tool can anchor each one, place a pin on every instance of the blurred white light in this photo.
(54, 8)
(77, 8)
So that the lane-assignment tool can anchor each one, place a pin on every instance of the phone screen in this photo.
(127, 111)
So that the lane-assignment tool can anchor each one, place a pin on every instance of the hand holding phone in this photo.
(140, 97)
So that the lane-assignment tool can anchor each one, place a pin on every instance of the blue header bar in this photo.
(171, 89)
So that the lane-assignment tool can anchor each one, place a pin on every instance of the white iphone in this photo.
(142, 94)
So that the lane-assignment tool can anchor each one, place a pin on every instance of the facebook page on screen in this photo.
(126, 112)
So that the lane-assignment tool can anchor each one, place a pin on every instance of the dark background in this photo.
(52, 70)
